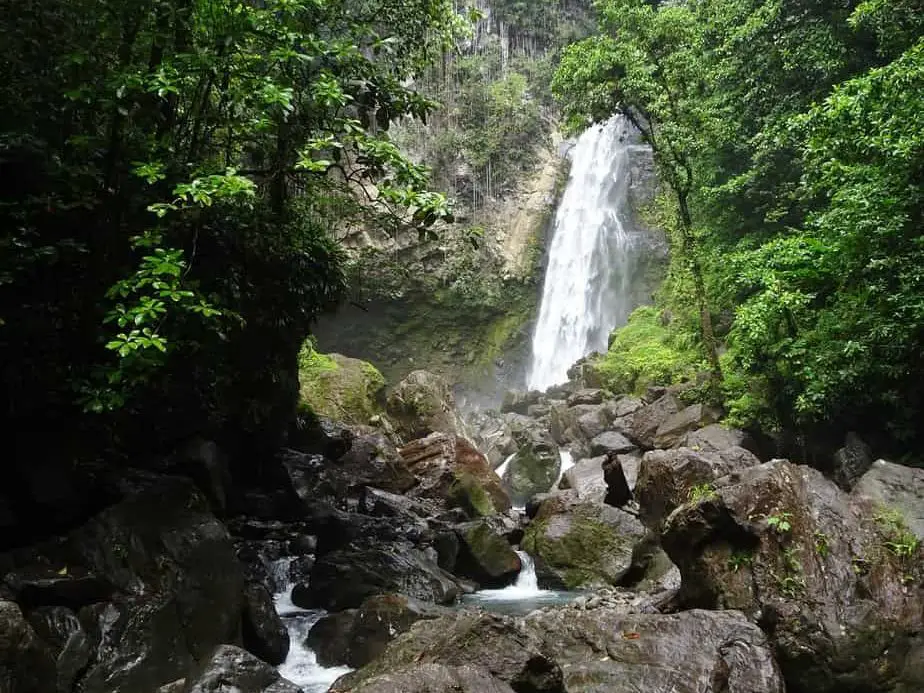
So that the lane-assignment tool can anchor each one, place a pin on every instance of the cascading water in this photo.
(301, 666)
(593, 258)
(522, 596)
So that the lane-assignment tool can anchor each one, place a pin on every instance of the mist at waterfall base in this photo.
(596, 259)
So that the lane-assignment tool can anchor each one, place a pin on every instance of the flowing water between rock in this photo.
(301, 666)
(522, 596)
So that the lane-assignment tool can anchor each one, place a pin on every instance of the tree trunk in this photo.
(699, 287)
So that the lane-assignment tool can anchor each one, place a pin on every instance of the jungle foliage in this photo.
(173, 169)
(790, 137)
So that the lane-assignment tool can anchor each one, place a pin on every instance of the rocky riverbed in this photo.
(693, 562)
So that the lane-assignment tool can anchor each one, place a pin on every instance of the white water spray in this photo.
(592, 258)
(526, 586)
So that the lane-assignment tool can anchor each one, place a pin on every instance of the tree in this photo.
(175, 168)
(647, 64)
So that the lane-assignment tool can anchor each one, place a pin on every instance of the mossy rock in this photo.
(582, 545)
(485, 556)
(533, 469)
(339, 387)
(467, 493)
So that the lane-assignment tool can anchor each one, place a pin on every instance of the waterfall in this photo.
(526, 586)
(593, 257)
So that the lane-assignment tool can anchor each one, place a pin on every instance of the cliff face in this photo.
(463, 305)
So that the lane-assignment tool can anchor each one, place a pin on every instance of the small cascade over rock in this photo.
(595, 258)
(301, 665)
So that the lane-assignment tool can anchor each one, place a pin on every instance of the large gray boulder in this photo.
(435, 678)
(610, 443)
(586, 479)
(585, 650)
(264, 633)
(715, 438)
(180, 581)
(669, 478)
(646, 421)
(230, 668)
(422, 404)
(830, 577)
(895, 487)
(498, 645)
(582, 544)
(355, 637)
(345, 577)
(674, 427)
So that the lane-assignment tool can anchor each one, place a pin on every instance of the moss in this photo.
(647, 351)
(339, 387)
(576, 555)
(468, 494)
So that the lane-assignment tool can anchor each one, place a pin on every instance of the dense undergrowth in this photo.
(788, 141)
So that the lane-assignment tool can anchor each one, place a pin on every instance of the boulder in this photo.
(616, 486)
(898, 488)
(26, 663)
(630, 463)
(341, 388)
(371, 460)
(827, 576)
(578, 423)
(264, 633)
(715, 438)
(501, 646)
(484, 556)
(180, 582)
(492, 435)
(586, 479)
(580, 544)
(584, 649)
(851, 461)
(610, 443)
(607, 649)
(675, 426)
(586, 396)
(669, 478)
(450, 470)
(355, 637)
(230, 668)
(343, 578)
(434, 678)
(61, 630)
(647, 420)
(422, 404)
(533, 469)
(624, 406)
